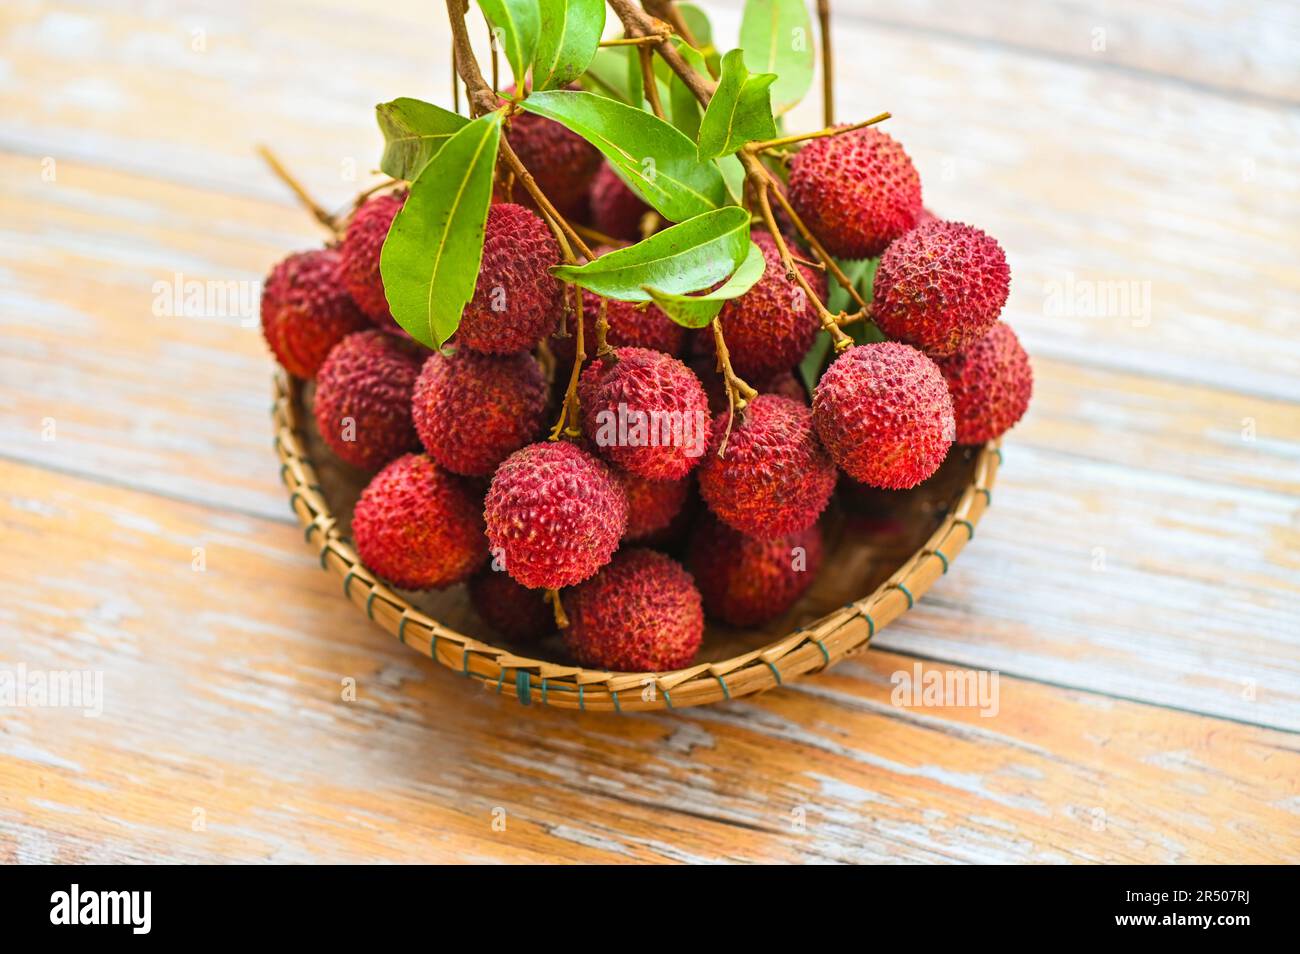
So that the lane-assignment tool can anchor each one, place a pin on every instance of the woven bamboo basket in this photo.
(892, 550)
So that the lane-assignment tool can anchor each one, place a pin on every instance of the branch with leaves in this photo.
(692, 134)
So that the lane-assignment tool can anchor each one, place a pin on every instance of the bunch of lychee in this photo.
(583, 526)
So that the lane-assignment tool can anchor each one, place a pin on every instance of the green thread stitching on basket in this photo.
(998, 451)
(370, 613)
(464, 662)
(822, 646)
(668, 698)
(582, 704)
(401, 628)
(970, 528)
(523, 687)
(284, 469)
(347, 582)
(939, 554)
(726, 693)
(293, 499)
(988, 495)
(776, 673)
(324, 552)
(309, 530)
(906, 592)
(618, 706)
(501, 678)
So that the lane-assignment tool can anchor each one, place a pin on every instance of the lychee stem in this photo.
(667, 10)
(648, 80)
(596, 237)
(818, 248)
(315, 208)
(829, 131)
(650, 40)
(567, 425)
(828, 318)
(561, 619)
(828, 73)
(739, 394)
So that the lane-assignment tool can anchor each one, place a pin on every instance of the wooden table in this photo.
(1136, 583)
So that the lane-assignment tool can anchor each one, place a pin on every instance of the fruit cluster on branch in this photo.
(625, 243)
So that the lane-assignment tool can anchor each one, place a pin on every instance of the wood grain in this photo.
(202, 670)
(1141, 551)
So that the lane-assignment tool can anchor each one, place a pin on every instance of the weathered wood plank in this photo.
(223, 695)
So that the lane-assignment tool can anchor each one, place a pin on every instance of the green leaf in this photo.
(733, 173)
(413, 131)
(696, 311)
(857, 271)
(430, 259)
(777, 37)
(607, 76)
(635, 78)
(810, 368)
(570, 35)
(656, 161)
(683, 107)
(515, 24)
(697, 22)
(682, 258)
(740, 111)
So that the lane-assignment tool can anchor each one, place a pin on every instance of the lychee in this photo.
(561, 161)
(646, 412)
(514, 611)
(615, 209)
(857, 191)
(306, 310)
(651, 504)
(363, 398)
(419, 527)
(362, 244)
(884, 413)
(516, 301)
(775, 478)
(770, 327)
(940, 287)
(630, 324)
(745, 581)
(555, 515)
(640, 613)
(991, 383)
(474, 410)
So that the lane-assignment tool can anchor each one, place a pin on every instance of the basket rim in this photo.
(812, 648)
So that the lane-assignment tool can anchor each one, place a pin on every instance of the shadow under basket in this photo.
(884, 550)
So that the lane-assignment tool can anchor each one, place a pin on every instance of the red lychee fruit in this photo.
(473, 410)
(419, 527)
(641, 613)
(555, 515)
(770, 327)
(884, 413)
(651, 504)
(630, 325)
(362, 244)
(856, 192)
(363, 398)
(941, 287)
(562, 162)
(646, 412)
(306, 310)
(615, 209)
(745, 581)
(990, 383)
(516, 301)
(775, 477)
(514, 611)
